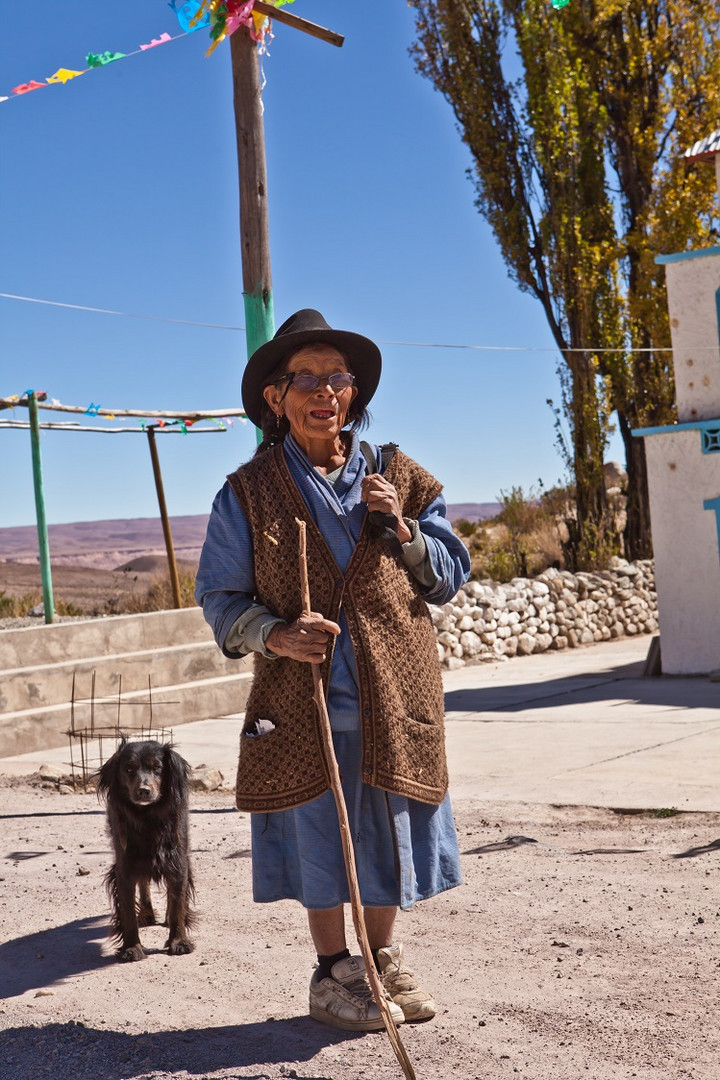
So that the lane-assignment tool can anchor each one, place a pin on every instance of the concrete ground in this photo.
(582, 727)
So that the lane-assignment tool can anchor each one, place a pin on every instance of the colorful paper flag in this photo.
(156, 41)
(25, 88)
(63, 75)
(186, 13)
(94, 60)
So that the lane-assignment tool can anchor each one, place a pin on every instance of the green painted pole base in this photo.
(259, 324)
(43, 543)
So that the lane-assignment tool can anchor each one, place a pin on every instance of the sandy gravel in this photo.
(593, 952)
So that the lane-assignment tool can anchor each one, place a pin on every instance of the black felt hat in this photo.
(303, 328)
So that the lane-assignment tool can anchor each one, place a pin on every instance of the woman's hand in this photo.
(306, 639)
(380, 495)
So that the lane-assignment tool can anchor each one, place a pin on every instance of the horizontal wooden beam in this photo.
(6, 424)
(282, 16)
(93, 410)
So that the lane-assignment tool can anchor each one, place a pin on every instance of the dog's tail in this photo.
(191, 914)
(112, 891)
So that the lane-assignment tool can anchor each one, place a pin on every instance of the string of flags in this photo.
(181, 420)
(222, 17)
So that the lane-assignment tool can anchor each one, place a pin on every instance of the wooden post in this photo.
(172, 565)
(252, 171)
(43, 543)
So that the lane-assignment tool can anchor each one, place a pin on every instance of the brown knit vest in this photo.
(401, 694)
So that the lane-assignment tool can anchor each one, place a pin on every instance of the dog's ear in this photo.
(175, 775)
(108, 774)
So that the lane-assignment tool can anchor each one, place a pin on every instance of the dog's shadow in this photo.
(49, 956)
(194, 1052)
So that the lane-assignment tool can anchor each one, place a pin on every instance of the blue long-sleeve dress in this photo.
(405, 850)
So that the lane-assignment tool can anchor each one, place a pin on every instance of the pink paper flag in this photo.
(25, 88)
(157, 41)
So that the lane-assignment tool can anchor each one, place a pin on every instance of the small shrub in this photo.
(158, 597)
(463, 527)
(18, 607)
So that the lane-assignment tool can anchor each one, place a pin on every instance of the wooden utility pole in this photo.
(254, 230)
(164, 517)
(252, 171)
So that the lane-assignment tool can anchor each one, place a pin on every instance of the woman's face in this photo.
(313, 414)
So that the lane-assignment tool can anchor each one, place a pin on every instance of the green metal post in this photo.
(43, 544)
(259, 327)
(259, 319)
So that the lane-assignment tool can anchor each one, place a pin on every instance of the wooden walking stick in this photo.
(346, 838)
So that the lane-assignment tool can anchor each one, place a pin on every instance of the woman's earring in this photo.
(277, 420)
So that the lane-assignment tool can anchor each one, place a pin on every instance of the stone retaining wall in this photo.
(556, 610)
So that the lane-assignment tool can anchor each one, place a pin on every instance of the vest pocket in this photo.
(273, 771)
(416, 758)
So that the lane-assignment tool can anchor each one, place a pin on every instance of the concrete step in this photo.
(104, 676)
(118, 666)
(33, 645)
(41, 728)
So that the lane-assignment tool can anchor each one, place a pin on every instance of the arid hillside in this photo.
(109, 545)
(105, 545)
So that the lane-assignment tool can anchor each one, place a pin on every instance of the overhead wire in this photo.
(403, 344)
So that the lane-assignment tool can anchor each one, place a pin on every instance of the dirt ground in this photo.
(592, 952)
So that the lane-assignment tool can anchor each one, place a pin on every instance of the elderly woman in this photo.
(378, 547)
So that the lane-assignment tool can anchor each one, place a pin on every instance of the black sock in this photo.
(325, 963)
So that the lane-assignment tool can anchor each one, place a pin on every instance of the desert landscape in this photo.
(108, 567)
(98, 567)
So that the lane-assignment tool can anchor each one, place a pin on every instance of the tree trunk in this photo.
(638, 537)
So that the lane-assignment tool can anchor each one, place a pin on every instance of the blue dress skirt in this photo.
(405, 850)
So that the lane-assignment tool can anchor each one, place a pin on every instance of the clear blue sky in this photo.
(119, 190)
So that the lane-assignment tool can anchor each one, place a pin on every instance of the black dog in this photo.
(145, 786)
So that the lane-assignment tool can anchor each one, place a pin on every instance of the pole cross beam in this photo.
(295, 21)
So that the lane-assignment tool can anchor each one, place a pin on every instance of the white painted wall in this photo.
(687, 550)
(692, 285)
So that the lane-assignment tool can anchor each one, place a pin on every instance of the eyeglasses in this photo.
(341, 380)
(303, 380)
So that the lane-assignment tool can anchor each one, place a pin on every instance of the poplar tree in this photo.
(576, 121)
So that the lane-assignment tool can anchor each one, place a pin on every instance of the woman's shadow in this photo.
(49, 956)
(116, 1055)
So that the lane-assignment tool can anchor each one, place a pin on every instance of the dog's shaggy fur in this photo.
(145, 786)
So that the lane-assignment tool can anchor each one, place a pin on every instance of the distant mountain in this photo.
(472, 511)
(105, 544)
(108, 545)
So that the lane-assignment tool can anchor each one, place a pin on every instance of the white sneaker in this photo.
(400, 983)
(346, 1000)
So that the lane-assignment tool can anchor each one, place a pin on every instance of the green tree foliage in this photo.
(521, 516)
(577, 167)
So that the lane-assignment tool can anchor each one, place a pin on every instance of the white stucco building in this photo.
(683, 462)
